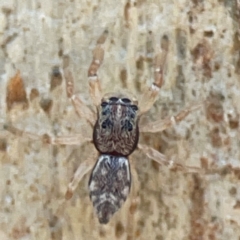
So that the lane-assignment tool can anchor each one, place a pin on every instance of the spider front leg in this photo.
(64, 140)
(94, 82)
(81, 109)
(160, 125)
(150, 95)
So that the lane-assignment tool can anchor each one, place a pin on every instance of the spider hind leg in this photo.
(82, 170)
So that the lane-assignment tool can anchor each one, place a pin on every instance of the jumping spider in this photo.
(116, 129)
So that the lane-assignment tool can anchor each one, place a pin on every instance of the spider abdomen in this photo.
(116, 130)
(109, 185)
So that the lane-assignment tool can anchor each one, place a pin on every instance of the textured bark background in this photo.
(203, 64)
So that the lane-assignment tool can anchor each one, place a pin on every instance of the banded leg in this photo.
(160, 125)
(162, 160)
(81, 109)
(151, 94)
(82, 170)
(65, 140)
(134, 199)
(94, 82)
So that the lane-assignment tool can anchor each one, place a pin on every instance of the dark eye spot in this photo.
(134, 107)
(125, 100)
(107, 124)
(105, 112)
(104, 124)
(113, 99)
(129, 126)
(103, 104)
(132, 115)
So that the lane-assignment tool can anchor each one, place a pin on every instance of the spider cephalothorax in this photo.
(116, 130)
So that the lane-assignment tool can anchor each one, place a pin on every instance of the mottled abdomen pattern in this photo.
(109, 185)
(116, 130)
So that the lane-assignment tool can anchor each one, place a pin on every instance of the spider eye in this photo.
(113, 99)
(103, 104)
(107, 124)
(125, 100)
(104, 124)
(134, 107)
(129, 126)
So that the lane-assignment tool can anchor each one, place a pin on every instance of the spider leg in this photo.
(64, 140)
(82, 170)
(81, 109)
(162, 160)
(94, 82)
(150, 95)
(160, 125)
(134, 201)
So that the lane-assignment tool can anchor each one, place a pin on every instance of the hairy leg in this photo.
(65, 140)
(162, 160)
(81, 109)
(151, 94)
(94, 82)
(134, 201)
(82, 170)
(160, 125)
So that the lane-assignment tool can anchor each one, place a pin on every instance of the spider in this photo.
(116, 127)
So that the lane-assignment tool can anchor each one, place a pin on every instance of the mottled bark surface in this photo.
(203, 64)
